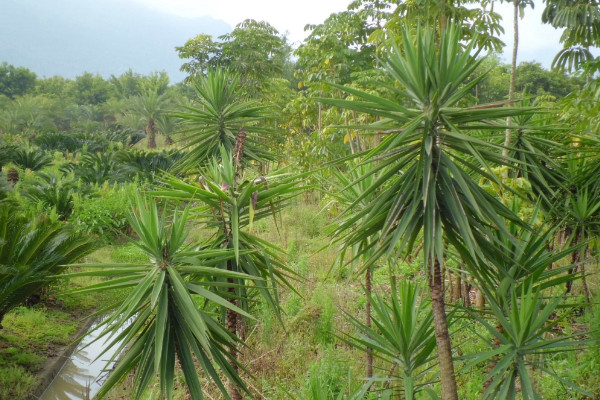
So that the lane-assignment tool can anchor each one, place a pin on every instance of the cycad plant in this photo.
(53, 193)
(169, 312)
(148, 108)
(94, 168)
(33, 159)
(146, 166)
(33, 251)
(429, 163)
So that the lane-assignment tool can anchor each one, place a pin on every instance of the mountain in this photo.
(69, 37)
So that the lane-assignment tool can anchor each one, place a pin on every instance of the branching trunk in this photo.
(442, 335)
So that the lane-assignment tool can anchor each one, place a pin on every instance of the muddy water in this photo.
(81, 377)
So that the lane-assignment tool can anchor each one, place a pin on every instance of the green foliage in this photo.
(32, 159)
(232, 204)
(166, 306)
(104, 215)
(15, 81)
(147, 166)
(324, 330)
(254, 50)
(220, 114)
(581, 22)
(94, 168)
(16, 382)
(33, 251)
(52, 193)
(402, 336)
(89, 89)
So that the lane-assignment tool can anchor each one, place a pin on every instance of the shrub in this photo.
(105, 214)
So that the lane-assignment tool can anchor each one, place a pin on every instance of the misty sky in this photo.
(538, 42)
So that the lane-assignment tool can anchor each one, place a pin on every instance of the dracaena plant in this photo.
(229, 202)
(515, 277)
(220, 111)
(402, 337)
(429, 162)
(168, 307)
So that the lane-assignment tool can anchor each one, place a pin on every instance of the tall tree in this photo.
(254, 50)
(518, 7)
(16, 81)
(581, 22)
(427, 184)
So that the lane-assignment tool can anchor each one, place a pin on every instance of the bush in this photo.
(104, 215)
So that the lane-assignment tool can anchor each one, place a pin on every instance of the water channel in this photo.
(82, 375)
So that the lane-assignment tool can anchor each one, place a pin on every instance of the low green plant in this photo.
(168, 306)
(33, 251)
(33, 159)
(402, 336)
(105, 213)
(16, 383)
(52, 193)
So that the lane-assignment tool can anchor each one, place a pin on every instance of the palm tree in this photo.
(33, 251)
(148, 108)
(428, 164)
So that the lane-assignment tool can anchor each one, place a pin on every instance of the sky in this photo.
(538, 42)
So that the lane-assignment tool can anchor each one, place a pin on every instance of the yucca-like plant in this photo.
(33, 251)
(169, 307)
(520, 340)
(402, 337)
(514, 277)
(230, 203)
(429, 163)
(219, 113)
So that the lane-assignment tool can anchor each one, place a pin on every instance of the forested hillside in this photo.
(387, 211)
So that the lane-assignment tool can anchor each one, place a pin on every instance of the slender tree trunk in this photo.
(369, 369)
(450, 285)
(575, 259)
(231, 323)
(494, 360)
(442, 335)
(586, 289)
(513, 76)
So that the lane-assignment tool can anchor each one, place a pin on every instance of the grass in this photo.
(32, 334)
(304, 354)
